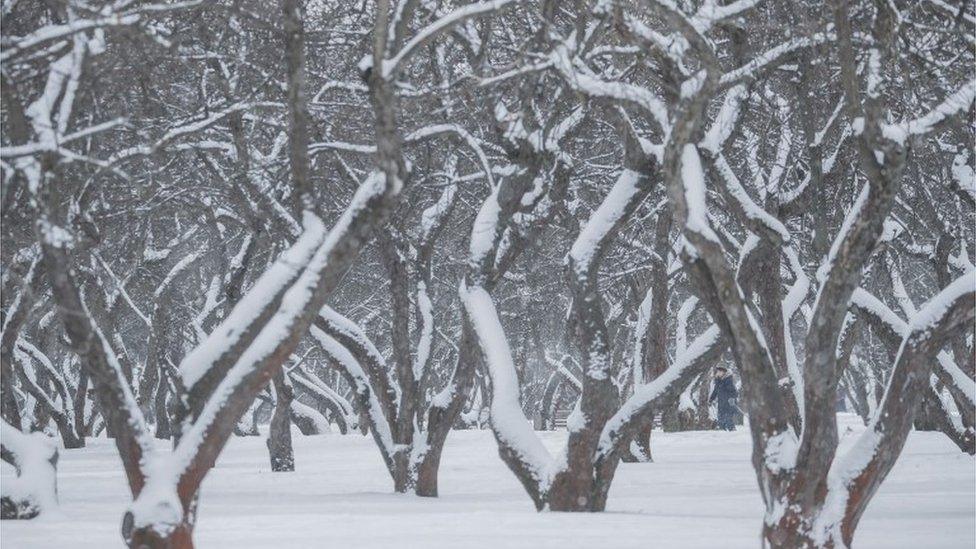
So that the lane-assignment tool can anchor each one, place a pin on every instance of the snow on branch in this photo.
(692, 28)
(41, 110)
(603, 221)
(563, 128)
(470, 140)
(360, 381)
(710, 13)
(562, 370)
(681, 330)
(640, 331)
(752, 211)
(787, 198)
(647, 396)
(963, 175)
(867, 303)
(349, 329)
(417, 135)
(433, 217)
(130, 407)
(672, 46)
(519, 71)
(424, 344)
(720, 130)
(311, 383)
(232, 331)
(955, 103)
(158, 506)
(693, 181)
(24, 352)
(16, 45)
(353, 340)
(582, 79)
(853, 215)
(794, 298)
(512, 428)
(189, 128)
(485, 230)
(180, 266)
(343, 146)
(771, 58)
(934, 312)
(339, 85)
(42, 147)
(120, 288)
(873, 455)
(393, 64)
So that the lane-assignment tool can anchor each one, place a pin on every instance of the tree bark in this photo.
(279, 434)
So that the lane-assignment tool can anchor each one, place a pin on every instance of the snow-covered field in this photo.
(700, 492)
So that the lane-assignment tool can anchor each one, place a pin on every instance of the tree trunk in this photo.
(9, 410)
(279, 435)
(164, 428)
(440, 420)
(80, 400)
(402, 479)
(643, 441)
(180, 537)
(789, 533)
(247, 425)
(426, 482)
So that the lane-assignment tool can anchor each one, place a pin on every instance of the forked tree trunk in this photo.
(146, 538)
(441, 420)
(71, 439)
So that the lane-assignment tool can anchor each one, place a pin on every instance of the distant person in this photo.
(725, 394)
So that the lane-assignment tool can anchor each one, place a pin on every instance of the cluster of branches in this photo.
(401, 218)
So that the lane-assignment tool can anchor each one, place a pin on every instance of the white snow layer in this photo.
(201, 359)
(693, 179)
(37, 481)
(507, 418)
(700, 493)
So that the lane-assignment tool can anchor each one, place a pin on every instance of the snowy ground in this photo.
(700, 492)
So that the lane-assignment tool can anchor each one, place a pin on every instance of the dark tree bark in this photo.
(279, 434)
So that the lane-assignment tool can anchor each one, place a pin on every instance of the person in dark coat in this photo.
(725, 394)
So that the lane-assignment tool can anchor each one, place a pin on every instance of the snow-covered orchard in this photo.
(448, 273)
(700, 493)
